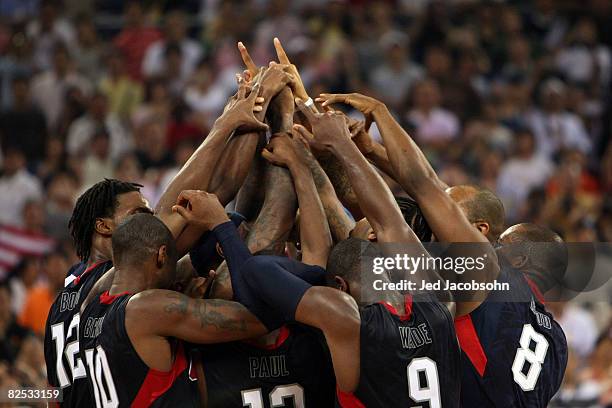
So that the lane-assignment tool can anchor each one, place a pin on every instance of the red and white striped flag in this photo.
(15, 244)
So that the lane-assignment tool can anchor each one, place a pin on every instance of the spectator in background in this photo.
(17, 187)
(97, 119)
(205, 95)
(23, 277)
(40, 297)
(152, 149)
(89, 50)
(47, 32)
(175, 32)
(15, 61)
(523, 172)
(62, 191)
(554, 127)
(97, 164)
(135, 38)
(12, 334)
(584, 60)
(123, 93)
(434, 125)
(50, 87)
(156, 104)
(396, 76)
(23, 126)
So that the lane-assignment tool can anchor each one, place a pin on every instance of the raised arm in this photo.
(417, 177)
(315, 237)
(331, 133)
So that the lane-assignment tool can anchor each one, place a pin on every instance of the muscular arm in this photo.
(336, 314)
(340, 224)
(373, 195)
(164, 313)
(275, 220)
(315, 237)
(417, 177)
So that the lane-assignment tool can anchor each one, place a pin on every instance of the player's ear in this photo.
(483, 227)
(341, 284)
(162, 256)
(104, 226)
(519, 262)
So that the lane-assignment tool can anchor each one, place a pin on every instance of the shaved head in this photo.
(527, 232)
(480, 205)
(537, 251)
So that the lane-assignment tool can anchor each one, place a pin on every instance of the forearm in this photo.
(315, 237)
(275, 220)
(340, 224)
(342, 185)
(373, 195)
(410, 167)
(233, 166)
(378, 156)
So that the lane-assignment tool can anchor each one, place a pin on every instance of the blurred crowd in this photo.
(512, 95)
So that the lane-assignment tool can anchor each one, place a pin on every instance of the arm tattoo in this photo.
(275, 221)
(208, 312)
(205, 311)
(180, 304)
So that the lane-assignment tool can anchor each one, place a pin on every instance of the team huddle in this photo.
(268, 306)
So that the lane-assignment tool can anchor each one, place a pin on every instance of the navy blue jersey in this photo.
(514, 353)
(64, 367)
(116, 375)
(295, 372)
(407, 361)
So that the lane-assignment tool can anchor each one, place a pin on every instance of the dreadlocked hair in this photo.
(100, 200)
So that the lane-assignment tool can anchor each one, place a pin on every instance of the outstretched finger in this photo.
(306, 110)
(328, 99)
(242, 89)
(280, 52)
(182, 211)
(186, 195)
(246, 58)
(254, 93)
(303, 132)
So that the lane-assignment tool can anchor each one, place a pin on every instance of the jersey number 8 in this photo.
(534, 357)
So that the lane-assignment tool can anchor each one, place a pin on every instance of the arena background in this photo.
(511, 95)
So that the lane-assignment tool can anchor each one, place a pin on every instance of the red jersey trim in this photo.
(107, 299)
(86, 271)
(470, 343)
(283, 335)
(407, 308)
(156, 383)
(535, 290)
(348, 399)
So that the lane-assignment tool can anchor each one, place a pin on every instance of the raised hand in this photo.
(200, 208)
(239, 112)
(364, 104)
(285, 150)
(274, 78)
(251, 68)
(328, 129)
(298, 86)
